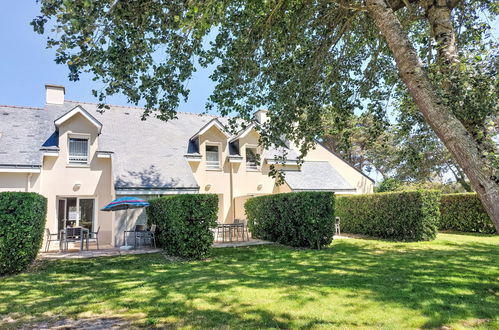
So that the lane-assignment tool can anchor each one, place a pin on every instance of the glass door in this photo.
(61, 214)
(87, 213)
(75, 211)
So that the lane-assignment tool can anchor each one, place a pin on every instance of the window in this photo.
(212, 157)
(78, 151)
(251, 158)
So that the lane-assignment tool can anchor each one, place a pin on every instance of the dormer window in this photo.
(78, 151)
(251, 159)
(212, 157)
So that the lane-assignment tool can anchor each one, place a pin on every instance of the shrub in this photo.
(464, 212)
(401, 216)
(185, 223)
(303, 219)
(22, 222)
(388, 184)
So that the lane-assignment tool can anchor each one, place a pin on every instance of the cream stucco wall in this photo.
(29, 182)
(59, 178)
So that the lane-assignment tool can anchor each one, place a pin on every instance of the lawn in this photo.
(452, 281)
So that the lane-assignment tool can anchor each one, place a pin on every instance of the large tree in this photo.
(292, 57)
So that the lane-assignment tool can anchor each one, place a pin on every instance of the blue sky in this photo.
(26, 65)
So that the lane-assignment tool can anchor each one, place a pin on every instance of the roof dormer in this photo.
(78, 110)
(212, 123)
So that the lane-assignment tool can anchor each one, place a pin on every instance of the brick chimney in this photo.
(54, 94)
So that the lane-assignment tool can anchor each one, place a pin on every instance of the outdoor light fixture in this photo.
(259, 187)
(77, 186)
(208, 186)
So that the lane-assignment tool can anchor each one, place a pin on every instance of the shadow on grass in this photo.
(445, 282)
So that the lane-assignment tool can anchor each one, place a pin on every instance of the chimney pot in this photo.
(54, 94)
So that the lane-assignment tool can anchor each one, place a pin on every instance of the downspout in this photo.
(28, 181)
(232, 202)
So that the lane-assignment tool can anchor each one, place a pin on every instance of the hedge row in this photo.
(402, 216)
(185, 223)
(22, 221)
(464, 212)
(304, 219)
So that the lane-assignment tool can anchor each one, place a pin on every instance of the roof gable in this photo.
(78, 110)
(212, 123)
(243, 133)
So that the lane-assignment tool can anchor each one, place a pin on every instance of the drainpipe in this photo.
(28, 181)
(232, 192)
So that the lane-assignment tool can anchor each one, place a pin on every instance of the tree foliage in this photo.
(294, 58)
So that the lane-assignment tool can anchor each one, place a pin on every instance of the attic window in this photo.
(251, 158)
(212, 157)
(78, 151)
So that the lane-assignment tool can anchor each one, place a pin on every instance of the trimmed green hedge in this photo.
(184, 223)
(401, 216)
(464, 212)
(22, 222)
(303, 219)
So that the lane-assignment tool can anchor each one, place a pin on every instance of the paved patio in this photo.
(103, 252)
(111, 251)
(240, 243)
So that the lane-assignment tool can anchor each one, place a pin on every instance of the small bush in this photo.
(22, 222)
(185, 223)
(303, 219)
(401, 216)
(464, 212)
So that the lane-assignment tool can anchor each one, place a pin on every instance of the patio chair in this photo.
(139, 233)
(220, 230)
(94, 236)
(337, 226)
(151, 235)
(49, 238)
(243, 229)
(72, 235)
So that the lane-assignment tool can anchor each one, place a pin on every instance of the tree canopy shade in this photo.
(295, 57)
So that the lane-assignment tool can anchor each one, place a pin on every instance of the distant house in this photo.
(81, 159)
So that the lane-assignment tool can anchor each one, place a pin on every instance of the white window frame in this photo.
(250, 167)
(80, 137)
(212, 166)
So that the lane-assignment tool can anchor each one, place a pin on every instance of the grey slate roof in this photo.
(316, 176)
(146, 154)
(276, 152)
(22, 135)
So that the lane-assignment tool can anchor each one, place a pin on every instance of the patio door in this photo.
(76, 211)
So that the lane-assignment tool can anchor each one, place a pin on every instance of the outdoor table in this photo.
(230, 227)
(85, 233)
(135, 231)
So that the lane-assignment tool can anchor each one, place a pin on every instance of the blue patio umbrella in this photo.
(125, 203)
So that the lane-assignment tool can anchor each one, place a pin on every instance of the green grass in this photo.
(452, 281)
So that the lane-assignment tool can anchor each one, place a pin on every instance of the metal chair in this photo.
(242, 228)
(139, 233)
(72, 235)
(220, 229)
(151, 235)
(94, 236)
(337, 226)
(49, 239)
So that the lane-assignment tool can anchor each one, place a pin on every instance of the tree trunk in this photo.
(442, 30)
(441, 119)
